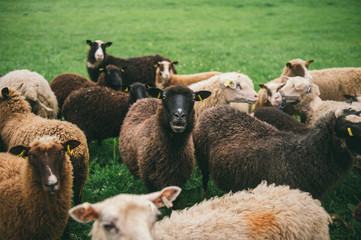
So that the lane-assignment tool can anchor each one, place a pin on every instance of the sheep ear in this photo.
(357, 169)
(5, 92)
(310, 61)
(70, 145)
(175, 63)
(289, 65)
(84, 213)
(20, 151)
(89, 42)
(164, 197)
(149, 85)
(157, 64)
(125, 88)
(101, 69)
(108, 44)
(155, 92)
(261, 85)
(201, 95)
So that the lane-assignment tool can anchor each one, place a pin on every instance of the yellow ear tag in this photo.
(101, 69)
(199, 96)
(158, 95)
(349, 132)
(227, 83)
(68, 148)
(122, 70)
(126, 90)
(22, 153)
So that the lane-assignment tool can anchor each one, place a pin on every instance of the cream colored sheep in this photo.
(35, 89)
(226, 88)
(165, 76)
(309, 105)
(36, 191)
(266, 212)
(19, 126)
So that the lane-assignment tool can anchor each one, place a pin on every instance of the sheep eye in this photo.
(110, 226)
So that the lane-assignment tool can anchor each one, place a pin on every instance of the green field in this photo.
(252, 36)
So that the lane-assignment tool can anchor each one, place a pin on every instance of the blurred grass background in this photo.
(251, 36)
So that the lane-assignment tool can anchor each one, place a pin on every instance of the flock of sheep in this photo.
(164, 122)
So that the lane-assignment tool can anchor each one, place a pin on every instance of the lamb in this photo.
(266, 212)
(100, 111)
(166, 77)
(226, 88)
(239, 151)
(305, 96)
(334, 83)
(136, 69)
(155, 140)
(36, 191)
(63, 84)
(19, 126)
(35, 89)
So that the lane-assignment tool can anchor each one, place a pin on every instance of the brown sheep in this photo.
(36, 191)
(19, 126)
(155, 140)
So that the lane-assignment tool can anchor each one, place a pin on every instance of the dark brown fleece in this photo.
(239, 151)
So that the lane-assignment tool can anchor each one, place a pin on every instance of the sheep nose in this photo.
(52, 185)
(179, 114)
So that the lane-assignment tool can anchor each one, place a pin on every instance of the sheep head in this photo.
(97, 51)
(297, 67)
(46, 156)
(125, 216)
(164, 71)
(178, 102)
(271, 89)
(137, 91)
(110, 77)
(238, 88)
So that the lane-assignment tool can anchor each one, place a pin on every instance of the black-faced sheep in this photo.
(36, 191)
(166, 77)
(36, 90)
(99, 111)
(19, 126)
(239, 151)
(63, 84)
(136, 69)
(155, 140)
(266, 212)
(226, 88)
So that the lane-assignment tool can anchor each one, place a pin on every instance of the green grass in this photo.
(252, 36)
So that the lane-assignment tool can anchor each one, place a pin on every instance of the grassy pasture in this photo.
(252, 36)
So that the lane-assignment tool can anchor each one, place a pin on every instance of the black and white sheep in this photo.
(155, 140)
(19, 126)
(36, 90)
(135, 69)
(239, 151)
(99, 111)
(266, 212)
(36, 191)
(63, 84)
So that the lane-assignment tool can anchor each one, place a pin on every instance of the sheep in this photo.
(334, 83)
(239, 150)
(305, 97)
(99, 111)
(136, 69)
(19, 126)
(226, 88)
(166, 77)
(155, 140)
(36, 90)
(266, 212)
(63, 84)
(36, 191)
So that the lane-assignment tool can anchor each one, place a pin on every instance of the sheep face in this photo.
(238, 88)
(178, 102)
(272, 89)
(298, 67)
(112, 77)
(97, 50)
(46, 157)
(165, 69)
(125, 216)
(137, 91)
(293, 90)
(349, 127)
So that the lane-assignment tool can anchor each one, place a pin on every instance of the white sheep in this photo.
(226, 88)
(36, 191)
(36, 90)
(266, 212)
(165, 75)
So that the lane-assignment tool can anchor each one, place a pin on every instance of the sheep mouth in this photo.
(243, 100)
(178, 127)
